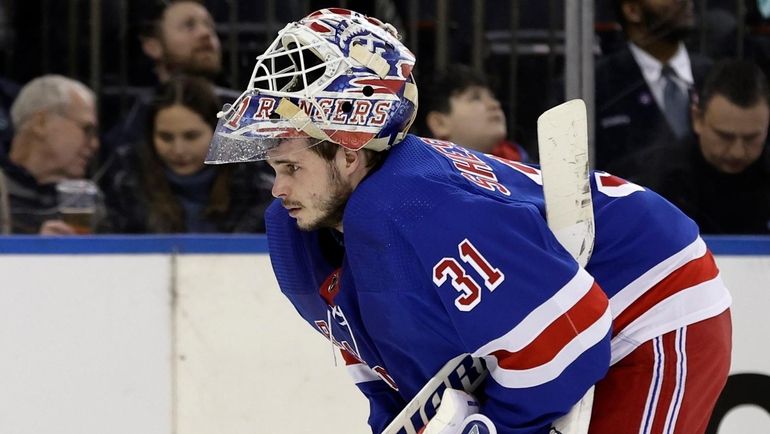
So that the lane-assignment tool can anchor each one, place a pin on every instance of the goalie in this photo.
(405, 252)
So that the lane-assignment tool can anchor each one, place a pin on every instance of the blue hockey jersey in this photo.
(447, 251)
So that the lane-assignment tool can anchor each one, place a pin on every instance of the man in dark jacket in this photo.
(54, 120)
(722, 179)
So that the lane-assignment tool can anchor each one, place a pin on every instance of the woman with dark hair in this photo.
(172, 190)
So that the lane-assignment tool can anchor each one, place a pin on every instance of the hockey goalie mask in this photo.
(336, 75)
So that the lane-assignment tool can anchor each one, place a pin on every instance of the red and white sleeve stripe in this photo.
(551, 337)
(359, 372)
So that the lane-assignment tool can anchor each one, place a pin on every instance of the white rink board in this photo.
(88, 340)
(84, 344)
(748, 279)
(251, 364)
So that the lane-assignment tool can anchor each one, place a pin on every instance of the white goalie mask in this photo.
(336, 75)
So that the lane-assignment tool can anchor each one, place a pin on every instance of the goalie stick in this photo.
(563, 145)
(562, 138)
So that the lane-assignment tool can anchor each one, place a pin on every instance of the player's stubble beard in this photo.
(332, 207)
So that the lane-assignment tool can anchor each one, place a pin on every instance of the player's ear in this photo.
(439, 125)
(152, 48)
(349, 161)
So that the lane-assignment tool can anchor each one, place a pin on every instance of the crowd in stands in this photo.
(670, 119)
(692, 128)
(149, 165)
(167, 187)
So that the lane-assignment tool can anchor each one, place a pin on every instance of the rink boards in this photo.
(189, 335)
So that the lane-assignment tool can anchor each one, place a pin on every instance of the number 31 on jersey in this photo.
(470, 291)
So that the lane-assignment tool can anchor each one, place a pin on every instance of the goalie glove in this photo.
(458, 413)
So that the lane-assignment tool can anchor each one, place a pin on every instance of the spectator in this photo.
(179, 37)
(460, 107)
(722, 179)
(55, 137)
(643, 91)
(168, 188)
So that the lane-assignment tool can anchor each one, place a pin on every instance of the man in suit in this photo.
(643, 91)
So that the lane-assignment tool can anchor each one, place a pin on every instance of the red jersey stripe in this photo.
(690, 274)
(587, 311)
(349, 359)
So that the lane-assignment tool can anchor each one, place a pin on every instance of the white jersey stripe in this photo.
(659, 360)
(626, 296)
(539, 319)
(701, 301)
(362, 373)
(548, 371)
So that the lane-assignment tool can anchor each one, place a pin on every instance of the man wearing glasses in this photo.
(55, 125)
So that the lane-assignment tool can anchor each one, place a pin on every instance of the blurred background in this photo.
(518, 44)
